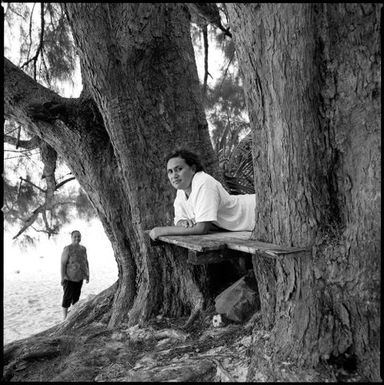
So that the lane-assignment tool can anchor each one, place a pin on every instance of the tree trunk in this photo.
(312, 84)
(144, 100)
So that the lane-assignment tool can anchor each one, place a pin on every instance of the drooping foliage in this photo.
(45, 51)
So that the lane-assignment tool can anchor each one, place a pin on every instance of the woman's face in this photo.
(76, 238)
(180, 174)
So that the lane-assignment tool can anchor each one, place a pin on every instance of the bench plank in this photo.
(195, 242)
(233, 240)
(252, 246)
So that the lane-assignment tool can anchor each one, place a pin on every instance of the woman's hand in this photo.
(156, 232)
(189, 228)
(186, 223)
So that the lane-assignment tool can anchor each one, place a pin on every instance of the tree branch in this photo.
(18, 138)
(41, 44)
(205, 38)
(30, 220)
(41, 209)
(64, 182)
(28, 181)
(30, 29)
(26, 144)
(20, 91)
(49, 157)
(49, 232)
(32, 105)
(44, 214)
(210, 13)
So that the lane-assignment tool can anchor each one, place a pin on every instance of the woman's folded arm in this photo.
(198, 229)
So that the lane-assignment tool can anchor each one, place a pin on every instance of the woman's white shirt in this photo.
(210, 202)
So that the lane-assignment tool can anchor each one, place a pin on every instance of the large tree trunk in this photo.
(142, 99)
(312, 84)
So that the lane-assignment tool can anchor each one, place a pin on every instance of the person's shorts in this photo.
(71, 292)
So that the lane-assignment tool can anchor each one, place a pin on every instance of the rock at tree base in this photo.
(238, 301)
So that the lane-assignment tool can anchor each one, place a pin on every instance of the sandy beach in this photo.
(32, 292)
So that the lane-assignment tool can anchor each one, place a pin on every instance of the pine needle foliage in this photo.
(227, 114)
(46, 52)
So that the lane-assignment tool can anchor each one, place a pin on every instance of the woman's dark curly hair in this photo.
(190, 158)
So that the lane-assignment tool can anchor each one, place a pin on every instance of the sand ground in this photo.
(32, 292)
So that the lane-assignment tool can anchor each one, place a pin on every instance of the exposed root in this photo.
(18, 354)
(196, 312)
(223, 370)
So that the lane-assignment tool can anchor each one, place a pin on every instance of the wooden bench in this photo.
(216, 247)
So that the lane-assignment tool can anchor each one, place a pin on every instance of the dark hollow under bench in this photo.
(217, 247)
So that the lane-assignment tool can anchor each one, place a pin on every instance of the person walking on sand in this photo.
(74, 269)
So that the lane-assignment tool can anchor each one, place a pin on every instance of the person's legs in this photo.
(76, 290)
(67, 297)
(65, 312)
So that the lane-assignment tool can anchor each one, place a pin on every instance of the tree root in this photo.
(193, 317)
(19, 353)
(223, 370)
(58, 339)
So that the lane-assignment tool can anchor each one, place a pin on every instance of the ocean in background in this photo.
(32, 293)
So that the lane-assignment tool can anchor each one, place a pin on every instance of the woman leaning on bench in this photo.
(202, 203)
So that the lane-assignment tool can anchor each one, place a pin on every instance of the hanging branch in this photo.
(19, 188)
(13, 129)
(30, 220)
(49, 157)
(42, 209)
(40, 47)
(47, 78)
(209, 12)
(205, 38)
(18, 138)
(30, 29)
(10, 7)
(31, 183)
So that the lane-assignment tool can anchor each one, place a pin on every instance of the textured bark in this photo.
(140, 88)
(312, 84)
(264, 269)
(141, 99)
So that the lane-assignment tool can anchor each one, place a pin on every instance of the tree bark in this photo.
(140, 90)
(144, 99)
(312, 81)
